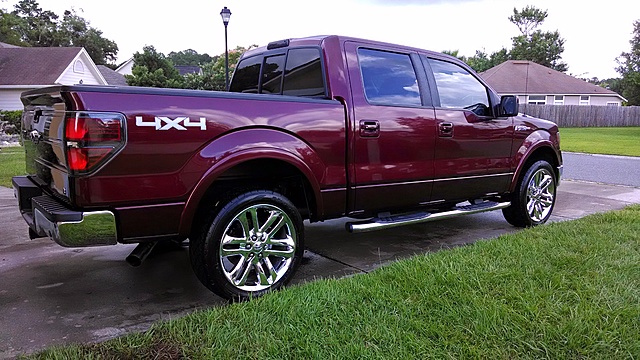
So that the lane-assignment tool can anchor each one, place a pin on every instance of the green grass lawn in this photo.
(564, 290)
(11, 164)
(604, 140)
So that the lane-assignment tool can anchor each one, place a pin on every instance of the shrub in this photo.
(12, 117)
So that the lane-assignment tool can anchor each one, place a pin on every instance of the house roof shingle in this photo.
(519, 77)
(188, 69)
(34, 66)
(112, 77)
(5, 45)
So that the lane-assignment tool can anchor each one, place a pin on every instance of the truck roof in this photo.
(317, 40)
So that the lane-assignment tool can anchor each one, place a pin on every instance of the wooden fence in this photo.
(585, 115)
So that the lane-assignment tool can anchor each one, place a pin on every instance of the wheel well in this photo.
(265, 174)
(543, 153)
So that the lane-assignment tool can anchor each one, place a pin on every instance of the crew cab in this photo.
(312, 129)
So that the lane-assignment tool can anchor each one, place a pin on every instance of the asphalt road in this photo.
(606, 169)
(50, 295)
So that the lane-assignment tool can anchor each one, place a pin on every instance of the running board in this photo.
(392, 221)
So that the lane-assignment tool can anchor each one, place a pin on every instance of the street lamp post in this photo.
(226, 15)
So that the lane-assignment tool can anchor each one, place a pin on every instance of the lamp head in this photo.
(226, 15)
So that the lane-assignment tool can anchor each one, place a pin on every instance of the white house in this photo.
(27, 68)
(126, 68)
(536, 84)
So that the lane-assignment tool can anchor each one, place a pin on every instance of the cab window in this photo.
(272, 74)
(247, 75)
(458, 88)
(297, 72)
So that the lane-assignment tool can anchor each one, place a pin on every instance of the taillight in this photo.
(92, 138)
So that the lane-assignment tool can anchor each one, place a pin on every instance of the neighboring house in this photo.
(536, 84)
(127, 68)
(27, 68)
(188, 69)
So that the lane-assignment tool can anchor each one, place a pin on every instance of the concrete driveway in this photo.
(51, 295)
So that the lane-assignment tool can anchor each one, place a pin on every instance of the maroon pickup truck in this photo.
(311, 129)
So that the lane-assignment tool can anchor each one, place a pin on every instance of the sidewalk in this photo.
(50, 295)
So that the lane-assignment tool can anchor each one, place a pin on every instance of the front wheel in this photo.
(534, 198)
(252, 245)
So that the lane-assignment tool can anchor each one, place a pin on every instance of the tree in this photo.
(544, 48)
(613, 84)
(8, 24)
(629, 68)
(213, 76)
(39, 27)
(74, 30)
(189, 57)
(29, 25)
(153, 69)
(482, 62)
(528, 19)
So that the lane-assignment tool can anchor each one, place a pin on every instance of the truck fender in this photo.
(537, 143)
(237, 147)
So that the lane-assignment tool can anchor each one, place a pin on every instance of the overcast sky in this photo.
(595, 32)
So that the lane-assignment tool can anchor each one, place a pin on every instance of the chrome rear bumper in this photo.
(48, 217)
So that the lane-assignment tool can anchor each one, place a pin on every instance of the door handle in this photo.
(369, 128)
(445, 129)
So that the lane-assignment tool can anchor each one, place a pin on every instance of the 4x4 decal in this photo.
(179, 123)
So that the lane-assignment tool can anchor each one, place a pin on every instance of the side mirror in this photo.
(508, 106)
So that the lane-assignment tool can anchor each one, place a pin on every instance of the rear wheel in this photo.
(251, 246)
(534, 198)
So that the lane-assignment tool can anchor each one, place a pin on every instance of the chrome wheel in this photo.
(257, 247)
(540, 195)
(534, 196)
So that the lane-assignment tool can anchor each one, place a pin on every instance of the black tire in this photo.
(534, 196)
(251, 246)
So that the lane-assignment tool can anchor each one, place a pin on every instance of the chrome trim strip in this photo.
(432, 202)
(432, 181)
(150, 206)
(474, 177)
(332, 190)
(392, 184)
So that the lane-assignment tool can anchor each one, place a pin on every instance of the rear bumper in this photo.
(48, 217)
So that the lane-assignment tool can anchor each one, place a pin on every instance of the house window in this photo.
(78, 67)
(585, 100)
(613, 103)
(558, 100)
(537, 99)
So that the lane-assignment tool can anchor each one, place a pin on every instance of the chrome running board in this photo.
(392, 221)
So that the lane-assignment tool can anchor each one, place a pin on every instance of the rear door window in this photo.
(303, 75)
(389, 78)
